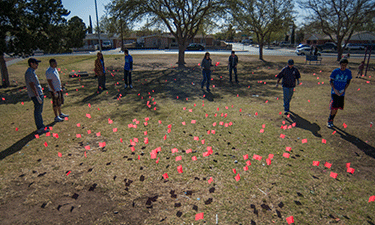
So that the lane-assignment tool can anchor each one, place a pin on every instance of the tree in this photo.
(27, 25)
(340, 19)
(76, 32)
(181, 18)
(261, 17)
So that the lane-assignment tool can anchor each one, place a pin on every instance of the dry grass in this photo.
(35, 187)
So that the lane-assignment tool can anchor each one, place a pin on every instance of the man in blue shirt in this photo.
(35, 92)
(340, 79)
(128, 67)
(289, 75)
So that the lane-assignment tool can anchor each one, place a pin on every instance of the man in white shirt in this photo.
(54, 84)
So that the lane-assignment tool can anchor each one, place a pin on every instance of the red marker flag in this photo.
(157, 161)
(261, 131)
(245, 156)
(282, 136)
(89, 132)
(199, 216)
(347, 165)
(324, 141)
(85, 154)
(290, 219)
(196, 138)
(88, 115)
(234, 171)
(245, 168)
(248, 163)
(270, 156)
(174, 150)
(114, 129)
(165, 176)
(268, 161)
(210, 180)
(87, 147)
(45, 144)
(345, 126)
(188, 151)
(328, 165)
(68, 173)
(36, 135)
(59, 154)
(146, 141)
(237, 177)
(102, 144)
(333, 175)
(194, 158)
(316, 163)
(179, 169)
(288, 149)
(178, 158)
(183, 123)
(350, 170)
(286, 155)
(371, 199)
(78, 135)
(304, 141)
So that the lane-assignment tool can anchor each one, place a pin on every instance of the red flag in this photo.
(286, 155)
(290, 219)
(237, 177)
(165, 176)
(316, 163)
(333, 175)
(179, 169)
(328, 165)
(199, 216)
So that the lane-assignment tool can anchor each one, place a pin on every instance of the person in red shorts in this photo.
(340, 79)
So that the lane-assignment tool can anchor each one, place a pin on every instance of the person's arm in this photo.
(333, 87)
(279, 76)
(131, 64)
(33, 88)
(236, 61)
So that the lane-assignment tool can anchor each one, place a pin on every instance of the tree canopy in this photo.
(340, 19)
(261, 17)
(182, 18)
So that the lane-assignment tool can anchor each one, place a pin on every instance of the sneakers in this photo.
(330, 124)
(42, 130)
(131, 86)
(58, 119)
(62, 115)
(126, 86)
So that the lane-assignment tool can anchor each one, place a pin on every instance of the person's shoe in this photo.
(42, 130)
(330, 124)
(208, 90)
(62, 115)
(58, 119)
(126, 86)
(286, 112)
(131, 86)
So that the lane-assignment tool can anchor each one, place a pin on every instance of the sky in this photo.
(84, 8)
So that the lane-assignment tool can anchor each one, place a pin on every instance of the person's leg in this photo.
(99, 83)
(204, 78)
(230, 73)
(38, 109)
(104, 78)
(288, 93)
(334, 106)
(208, 75)
(235, 74)
(130, 78)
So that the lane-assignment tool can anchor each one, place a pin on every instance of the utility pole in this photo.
(97, 23)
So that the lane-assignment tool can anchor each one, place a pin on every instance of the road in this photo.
(239, 48)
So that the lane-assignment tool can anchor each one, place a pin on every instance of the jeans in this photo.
(288, 93)
(38, 109)
(206, 77)
(127, 74)
(235, 73)
(101, 82)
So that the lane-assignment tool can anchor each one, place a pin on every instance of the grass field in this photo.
(107, 173)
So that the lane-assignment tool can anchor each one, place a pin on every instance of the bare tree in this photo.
(261, 17)
(183, 18)
(339, 19)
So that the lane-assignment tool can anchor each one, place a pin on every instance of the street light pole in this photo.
(97, 24)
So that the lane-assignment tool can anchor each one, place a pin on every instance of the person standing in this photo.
(339, 80)
(289, 74)
(54, 83)
(360, 69)
(232, 65)
(100, 71)
(35, 92)
(128, 67)
(206, 70)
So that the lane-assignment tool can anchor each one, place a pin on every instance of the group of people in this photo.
(339, 80)
(35, 92)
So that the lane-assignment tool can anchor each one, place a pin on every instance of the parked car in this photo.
(284, 43)
(195, 47)
(351, 46)
(105, 45)
(305, 51)
(327, 46)
(302, 46)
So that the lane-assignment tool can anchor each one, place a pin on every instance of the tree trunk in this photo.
(4, 72)
(261, 51)
(340, 50)
(181, 55)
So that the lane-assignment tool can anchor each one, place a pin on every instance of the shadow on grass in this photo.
(20, 144)
(363, 146)
(304, 124)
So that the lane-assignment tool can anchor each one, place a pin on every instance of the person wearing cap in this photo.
(35, 92)
(100, 71)
(54, 83)
(289, 74)
(128, 67)
(232, 65)
(339, 80)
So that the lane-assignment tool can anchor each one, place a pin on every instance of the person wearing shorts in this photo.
(54, 85)
(339, 80)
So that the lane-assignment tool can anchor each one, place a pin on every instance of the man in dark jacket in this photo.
(289, 75)
(232, 65)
